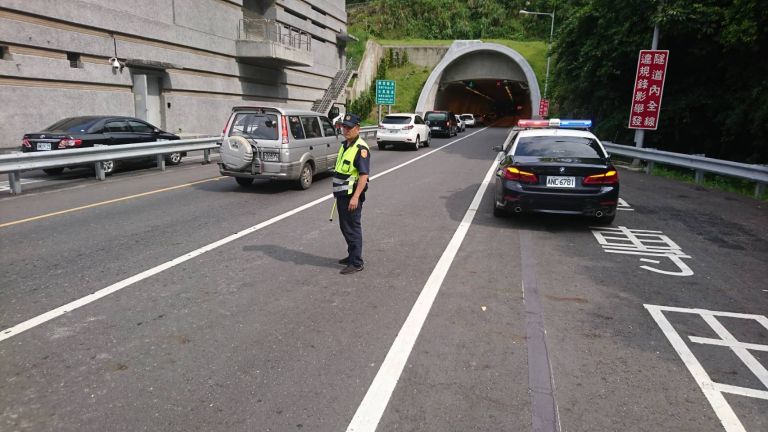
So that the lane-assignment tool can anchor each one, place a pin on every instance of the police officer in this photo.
(350, 181)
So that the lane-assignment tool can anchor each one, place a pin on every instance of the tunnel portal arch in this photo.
(490, 69)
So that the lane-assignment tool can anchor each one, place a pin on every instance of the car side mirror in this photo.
(157, 131)
(498, 148)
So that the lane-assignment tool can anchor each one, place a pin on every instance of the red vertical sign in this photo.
(544, 107)
(649, 86)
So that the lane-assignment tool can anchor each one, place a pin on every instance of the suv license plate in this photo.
(43, 146)
(271, 157)
(561, 182)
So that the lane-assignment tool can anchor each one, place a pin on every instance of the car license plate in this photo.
(43, 146)
(393, 130)
(271, 157)
(435, 128)
(561, 182)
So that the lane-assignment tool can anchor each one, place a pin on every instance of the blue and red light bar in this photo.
(555, 123)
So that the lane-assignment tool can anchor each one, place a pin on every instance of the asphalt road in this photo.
(224, 308)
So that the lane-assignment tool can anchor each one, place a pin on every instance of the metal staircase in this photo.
(338, 84)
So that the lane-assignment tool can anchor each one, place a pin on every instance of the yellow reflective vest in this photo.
(346, 175)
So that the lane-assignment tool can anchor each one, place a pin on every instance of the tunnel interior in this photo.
(484, 82)
(502, 97)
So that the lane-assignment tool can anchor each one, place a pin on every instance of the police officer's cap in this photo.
(351, 120)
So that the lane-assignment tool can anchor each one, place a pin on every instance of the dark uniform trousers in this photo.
(351, 229)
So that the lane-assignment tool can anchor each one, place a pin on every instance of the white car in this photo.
(406, 130)
(469, 120)
(461, 126)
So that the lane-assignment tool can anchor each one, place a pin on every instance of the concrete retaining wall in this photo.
(189, 44)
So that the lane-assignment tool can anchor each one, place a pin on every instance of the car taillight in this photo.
(284, 123)
(381, 126)
(25, 142)
(512, 173)
(609, 177)
(69, 142)
(409, 127)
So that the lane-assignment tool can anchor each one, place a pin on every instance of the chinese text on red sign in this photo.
(649, 86)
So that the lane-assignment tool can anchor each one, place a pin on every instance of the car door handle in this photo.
(311, 148)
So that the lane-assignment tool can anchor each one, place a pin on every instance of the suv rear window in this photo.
(558, 147)
(436, 116)
(396, 120)
(467, 117)
(255, 126)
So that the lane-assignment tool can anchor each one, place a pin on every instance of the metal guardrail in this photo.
(13, 164)
(367, 131)
(699, 164)
(261, 29)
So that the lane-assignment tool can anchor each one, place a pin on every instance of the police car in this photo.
(556, 166)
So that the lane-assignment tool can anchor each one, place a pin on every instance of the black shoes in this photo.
(344, 261)
(351, 269)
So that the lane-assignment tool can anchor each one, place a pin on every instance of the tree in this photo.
(717, 79)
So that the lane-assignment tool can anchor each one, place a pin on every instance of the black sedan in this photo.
(79, 132)
(556, 171)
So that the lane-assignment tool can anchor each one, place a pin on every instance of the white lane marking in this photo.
(6, 186)
(69, 307)
(713, 391)
(623, 205)
(369, 413)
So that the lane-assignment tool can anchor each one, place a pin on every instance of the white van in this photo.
(278, 144)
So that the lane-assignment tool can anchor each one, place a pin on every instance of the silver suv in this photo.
(277, 143)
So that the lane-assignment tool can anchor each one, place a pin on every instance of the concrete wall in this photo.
(426, 56)
(366, 71)
(192, 42)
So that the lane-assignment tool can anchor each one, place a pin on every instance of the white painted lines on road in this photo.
(369, 413)
(713, 391)
(47, 215)
(69, 307)
(623, 205)
(623, 240)
(5, 186)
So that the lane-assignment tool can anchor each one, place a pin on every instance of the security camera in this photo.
(115, 63)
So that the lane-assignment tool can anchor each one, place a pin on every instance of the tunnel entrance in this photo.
(482, 78)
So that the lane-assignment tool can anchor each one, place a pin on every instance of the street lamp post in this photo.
(549, 48)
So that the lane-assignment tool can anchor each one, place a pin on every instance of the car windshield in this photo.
(467, 117)
(396, 120)
(436, 116)
(559, 147)
(255, 126)
(73, 124)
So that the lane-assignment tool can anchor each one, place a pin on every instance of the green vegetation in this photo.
(715, 90)
(712, 181)
(410, 79)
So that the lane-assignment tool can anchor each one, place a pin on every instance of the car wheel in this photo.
(173, 159)
(305, 178)
(416, 144)
(109, 167)
(244, 181)
(53, 171)
(428, 141)
(381, 146)
(497, 212)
